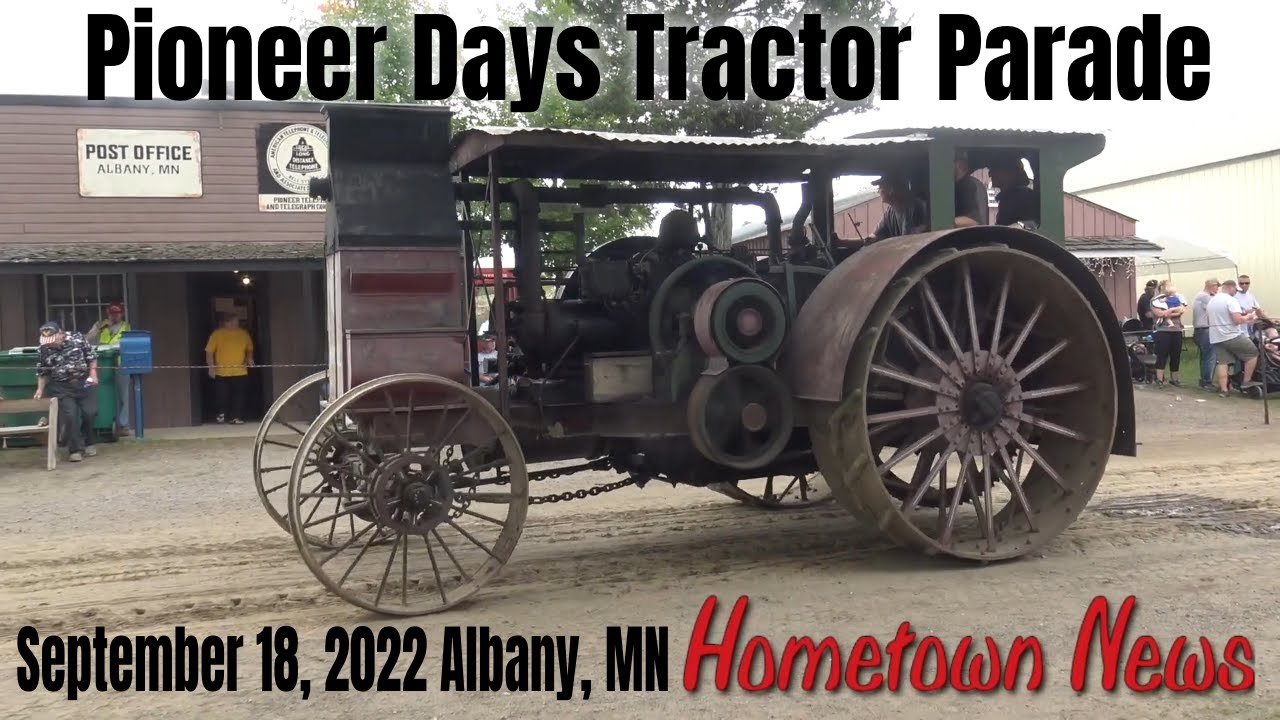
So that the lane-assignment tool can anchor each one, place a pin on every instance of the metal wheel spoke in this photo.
(349, 509)
(988, 515)
(924, 476)
(274, 468)
(1029, 395)
(945, 325)
(1011, 481)
(1025, 333)
(1040, 462)
(929, 354)
(1051, 427)
(445, 546)
(408, 438)
(367, 544)
(998, 322)
(909, 450)
(386, 572)
(444, 441)
(291, 427)
(435, 570)
(474, 541)
(910, 380)
(355, 537)
(968, 301)
(1044, 358)
(955, 500)
(269, 441)
(971, 484)
(884, 417)
(274, 488)
(473, 513)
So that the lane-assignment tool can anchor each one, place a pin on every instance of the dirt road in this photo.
(152, 535)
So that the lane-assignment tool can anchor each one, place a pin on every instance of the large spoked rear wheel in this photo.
(980, 407)
(431, 503)
(779, 492)
(277, 443)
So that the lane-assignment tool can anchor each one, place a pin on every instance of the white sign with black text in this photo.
(139, 163)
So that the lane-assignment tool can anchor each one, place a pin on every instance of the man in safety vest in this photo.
(106, 333)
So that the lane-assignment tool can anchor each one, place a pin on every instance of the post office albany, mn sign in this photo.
(139, 163)
(289, 157)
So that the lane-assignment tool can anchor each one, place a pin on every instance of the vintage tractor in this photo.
(980, 366)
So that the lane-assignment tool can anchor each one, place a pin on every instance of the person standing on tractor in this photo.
(972, 207)
(67, 370)
(229, 355)
(106, 333)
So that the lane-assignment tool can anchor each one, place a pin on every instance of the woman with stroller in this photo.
(1167, 308)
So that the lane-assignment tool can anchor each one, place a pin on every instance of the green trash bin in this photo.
(18, 382)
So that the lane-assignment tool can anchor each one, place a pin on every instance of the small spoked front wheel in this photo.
(432, 499)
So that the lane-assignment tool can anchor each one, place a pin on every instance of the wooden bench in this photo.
(48, 406)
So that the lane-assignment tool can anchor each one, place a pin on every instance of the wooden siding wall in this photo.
(162, 309)
(40, 191)
(287, 344)
(1118, 282)
(20, 316)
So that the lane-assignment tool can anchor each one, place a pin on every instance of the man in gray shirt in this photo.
(1200, 319)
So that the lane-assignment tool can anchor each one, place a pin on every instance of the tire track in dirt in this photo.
(601, 548)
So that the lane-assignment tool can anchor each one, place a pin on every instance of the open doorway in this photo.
(244, 295)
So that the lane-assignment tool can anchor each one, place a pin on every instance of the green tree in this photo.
(616, 107)
(394, 60)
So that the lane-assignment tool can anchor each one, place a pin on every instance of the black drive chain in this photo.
(601, 464)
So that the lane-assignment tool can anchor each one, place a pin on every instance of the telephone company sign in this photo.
(289, 157)
(139, 163)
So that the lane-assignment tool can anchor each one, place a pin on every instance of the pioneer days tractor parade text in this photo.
(720, 656)
(1018, 65)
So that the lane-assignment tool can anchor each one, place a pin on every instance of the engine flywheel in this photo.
(741, 418)
(744, 320)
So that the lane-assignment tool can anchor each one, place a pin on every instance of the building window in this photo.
(78, 301)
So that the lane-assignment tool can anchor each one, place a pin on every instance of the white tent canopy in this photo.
(1180, 255)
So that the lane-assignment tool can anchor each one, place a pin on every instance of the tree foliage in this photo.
(615, 106)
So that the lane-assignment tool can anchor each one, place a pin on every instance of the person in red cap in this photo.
(106, 333)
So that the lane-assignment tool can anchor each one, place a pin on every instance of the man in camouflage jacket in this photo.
(68, 371)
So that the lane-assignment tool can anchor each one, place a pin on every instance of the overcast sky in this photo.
(43, 51)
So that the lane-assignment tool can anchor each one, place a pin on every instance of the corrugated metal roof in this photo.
(591, 155)
(535, 134)
(974, 129)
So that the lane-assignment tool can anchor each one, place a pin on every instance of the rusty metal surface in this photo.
(417, 289)
(813, 362)
(828, 326)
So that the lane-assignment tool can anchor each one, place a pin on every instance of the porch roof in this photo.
(175, 257)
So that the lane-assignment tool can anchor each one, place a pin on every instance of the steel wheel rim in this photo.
(437, 558)
(277, 489)
(951, 413)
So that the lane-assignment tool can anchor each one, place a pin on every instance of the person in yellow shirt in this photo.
(229, 355)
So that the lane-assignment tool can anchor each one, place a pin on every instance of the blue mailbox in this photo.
(135, 352)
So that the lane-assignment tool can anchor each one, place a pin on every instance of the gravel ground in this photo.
(155, 534)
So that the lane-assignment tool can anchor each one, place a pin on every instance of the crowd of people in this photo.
(1228, 327)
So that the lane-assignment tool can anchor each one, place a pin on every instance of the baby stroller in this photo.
(1142, 353)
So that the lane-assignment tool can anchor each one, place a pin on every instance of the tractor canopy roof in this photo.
(604, 156)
